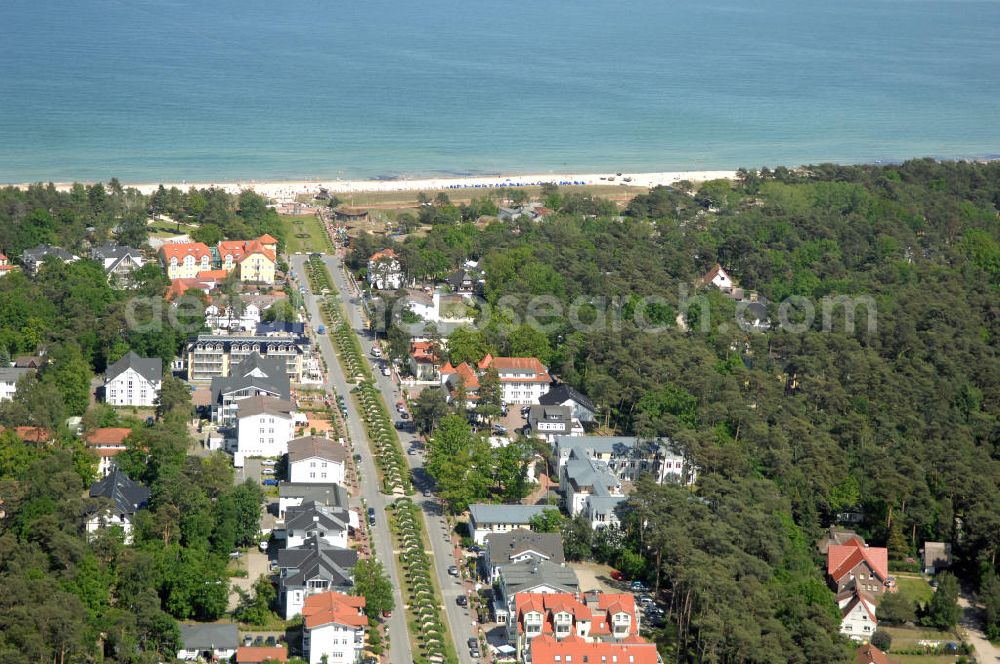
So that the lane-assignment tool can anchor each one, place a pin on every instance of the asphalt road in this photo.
(460, 619)
(399, 651)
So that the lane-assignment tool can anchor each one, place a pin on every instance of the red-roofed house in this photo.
(523, 379)
(334, 628)
(184, 260)
(5, 265)
(592, 617)
(261, 654)
(575, 650)
(452, 377)
(856, 565)
(869, 654)
(384, 270)
(424, 360)
(857, 615)
(107, 443)
(33, 434)
(256, 262)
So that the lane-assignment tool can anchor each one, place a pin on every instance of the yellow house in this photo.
(254, 259)
(185, 260)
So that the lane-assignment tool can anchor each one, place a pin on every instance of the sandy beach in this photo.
(288, 190)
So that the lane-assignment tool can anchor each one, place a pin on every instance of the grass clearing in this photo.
(907, 637)
(915, 588)
(304, 224)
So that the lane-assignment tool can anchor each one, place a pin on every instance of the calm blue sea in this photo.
(150, 90)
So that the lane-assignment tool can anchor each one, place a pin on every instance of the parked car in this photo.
(473, 642)
(617, 576)
(371, 516)
(247, 640)
(270, 481)
(321, 329)
(638, 587)
(462, 600)
(386, 371)
(453, 570)
(387, 614)
(270, 642)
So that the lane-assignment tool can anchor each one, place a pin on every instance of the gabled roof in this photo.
(264, 405)
(240, 250)
(266, 238)
(869, 654)
(468, 377)
(563, 393)
(862, 599)
(530, 574)
(327, 494)
(503, 547)
(713, 273)
(41, 251)
(334, 608)
(546, 649)
(318, 447)
(108, 436)
(423, 351)
(127, 495)
(316, 560)
(385, 254)
(206, 636)
(150, 368)
(114, 251)
(181, 250)
(590, 474)
(842, 558)
(310, 514)
(14, 374)
(527, 368)
(483, 513)
(258, 654)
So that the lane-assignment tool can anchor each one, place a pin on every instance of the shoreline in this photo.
(287, 190)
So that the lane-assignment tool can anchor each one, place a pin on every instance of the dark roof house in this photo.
(150, 368)
(126, 495)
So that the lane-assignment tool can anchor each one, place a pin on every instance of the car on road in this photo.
(386, 371)
(462, 600)
(376, 352)
(411, 452)
(427, 494)
(387, 613)
(321, 329)
(453, 570)
(404, 415)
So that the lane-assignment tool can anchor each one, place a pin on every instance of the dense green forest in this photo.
(897, 424)
(66, 599)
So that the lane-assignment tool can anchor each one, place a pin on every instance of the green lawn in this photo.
(907, 637)
(924, 659)
(306, 224)
(914, 588)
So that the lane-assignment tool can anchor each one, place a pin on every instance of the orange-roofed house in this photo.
(869, 654)
(592, 617)
(334, 628)
(523, 379)
(574, 650)
(33, 434)
(107, 443)
(384, 270)
(254, 261)
(268, 241)
(424, 360)
(5, 265)
(463, 375)
(856, 565)
(184, 260)
(261, 654)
